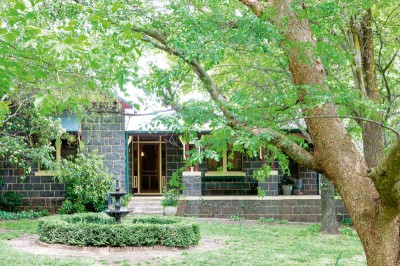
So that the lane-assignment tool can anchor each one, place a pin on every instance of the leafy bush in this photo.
(347, 221)
(97, 229)
(314, 228)
(21, 215)
(287, 181)
(87, 183)
(11, 200)
(125, 199)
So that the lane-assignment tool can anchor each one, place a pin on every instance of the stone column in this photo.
(270, 185)
(106, 134)
(192, 183)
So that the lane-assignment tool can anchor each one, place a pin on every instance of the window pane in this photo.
(212, 165)
(69, 146)
(234, 161)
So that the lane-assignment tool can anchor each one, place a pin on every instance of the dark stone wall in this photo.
(38, 191)
(310, 181)
(174, 157)
(106, 134)
(296, 209)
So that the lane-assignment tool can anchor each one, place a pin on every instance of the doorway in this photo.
(149, 172)
(147, 166)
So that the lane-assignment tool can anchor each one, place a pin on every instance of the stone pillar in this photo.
(106, 134)
(270, 185)
(192, 183)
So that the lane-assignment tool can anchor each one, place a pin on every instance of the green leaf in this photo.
(10, 37)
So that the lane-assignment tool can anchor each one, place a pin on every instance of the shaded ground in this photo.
(106, 255)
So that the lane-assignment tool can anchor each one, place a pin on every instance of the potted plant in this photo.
(287, 185)
(170, 201)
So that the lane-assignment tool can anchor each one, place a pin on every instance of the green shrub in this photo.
(347, 221)
(97, 229)
(20, 215)
(11, 200)
(126, 199)
(314, 228)
(87, 182)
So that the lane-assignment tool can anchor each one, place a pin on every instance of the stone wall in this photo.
(106, 134)
(174, 157)
(310, 181)
(291, 208)
(38, 191)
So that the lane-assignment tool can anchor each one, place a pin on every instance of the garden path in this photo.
(132, 255)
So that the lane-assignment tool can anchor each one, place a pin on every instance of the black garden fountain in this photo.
(117, 213)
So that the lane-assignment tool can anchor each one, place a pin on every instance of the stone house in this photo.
(146, 162)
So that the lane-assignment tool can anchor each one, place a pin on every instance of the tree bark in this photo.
(328, 207)
(361, 37)
(334, 152)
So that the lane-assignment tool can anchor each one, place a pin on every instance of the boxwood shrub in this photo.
(98, 229)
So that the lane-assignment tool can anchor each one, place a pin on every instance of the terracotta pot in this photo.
(170, 210)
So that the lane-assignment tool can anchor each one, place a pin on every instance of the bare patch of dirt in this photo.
(111, 255)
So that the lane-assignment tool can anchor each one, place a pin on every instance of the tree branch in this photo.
(256, 6)
(297, 153)
(386, 176)
(289, 147)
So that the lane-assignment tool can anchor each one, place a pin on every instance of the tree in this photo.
(262, 66)
(373, 205)
(49, 65)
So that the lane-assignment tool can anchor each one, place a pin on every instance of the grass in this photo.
(241, 244)
(10, 256)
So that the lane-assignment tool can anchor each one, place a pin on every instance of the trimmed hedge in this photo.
(98, 229)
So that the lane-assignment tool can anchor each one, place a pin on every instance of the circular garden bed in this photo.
(98, 229)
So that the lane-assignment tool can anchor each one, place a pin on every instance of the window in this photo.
(66, 147)
(230, 162)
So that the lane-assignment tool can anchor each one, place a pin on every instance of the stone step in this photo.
(144, 208)
(145, 205)
(145, 202)
(145, 213)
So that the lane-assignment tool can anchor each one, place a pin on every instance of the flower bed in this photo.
(97, 229)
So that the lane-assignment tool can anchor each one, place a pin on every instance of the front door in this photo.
(149, 168)
(147, 165)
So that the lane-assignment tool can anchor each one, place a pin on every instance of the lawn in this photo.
(241, 243)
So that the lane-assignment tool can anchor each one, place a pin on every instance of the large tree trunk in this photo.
(336, 154)
(328, 207)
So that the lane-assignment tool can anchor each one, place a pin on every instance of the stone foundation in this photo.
(292, 208)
